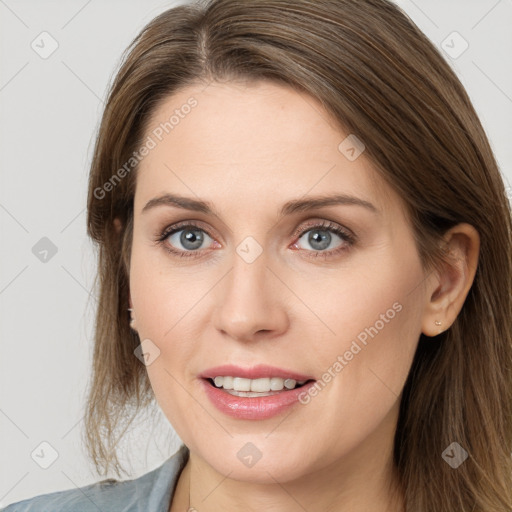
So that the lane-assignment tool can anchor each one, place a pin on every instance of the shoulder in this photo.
(151, 491)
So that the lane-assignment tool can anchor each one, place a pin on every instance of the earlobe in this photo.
(449, 287)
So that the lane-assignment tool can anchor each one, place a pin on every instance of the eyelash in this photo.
(348, 238)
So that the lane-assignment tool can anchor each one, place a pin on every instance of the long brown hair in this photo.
(379, 77)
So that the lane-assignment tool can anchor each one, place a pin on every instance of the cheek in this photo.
(371, 320)
(166, 306)
(163, 325)
(364, 364)
(162, 294)
(375, 301)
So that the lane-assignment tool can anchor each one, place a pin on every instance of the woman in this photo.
(305, 259)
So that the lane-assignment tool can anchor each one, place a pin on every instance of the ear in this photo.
(447, 289)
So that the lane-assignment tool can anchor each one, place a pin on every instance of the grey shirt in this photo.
(151, 492)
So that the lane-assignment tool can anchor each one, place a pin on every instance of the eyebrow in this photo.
(290, 207)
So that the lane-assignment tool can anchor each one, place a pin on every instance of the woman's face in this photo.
(331, 294)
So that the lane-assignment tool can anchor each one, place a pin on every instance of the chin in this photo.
(256, 459)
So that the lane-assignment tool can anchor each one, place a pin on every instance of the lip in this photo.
(255, 372)
(253, 408)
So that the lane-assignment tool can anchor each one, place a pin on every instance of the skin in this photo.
(248, 148)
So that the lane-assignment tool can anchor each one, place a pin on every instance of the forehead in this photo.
(252, 142)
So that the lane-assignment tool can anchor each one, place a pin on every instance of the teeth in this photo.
(227, 382)
(263, 385)
(240, 384)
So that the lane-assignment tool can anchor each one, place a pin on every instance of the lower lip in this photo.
(253, 408)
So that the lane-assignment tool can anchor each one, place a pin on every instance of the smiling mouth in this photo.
(238, 386)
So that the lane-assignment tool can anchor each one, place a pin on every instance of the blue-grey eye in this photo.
(320, 238)
(190, 238)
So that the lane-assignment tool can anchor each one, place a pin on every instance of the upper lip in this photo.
(254, 372)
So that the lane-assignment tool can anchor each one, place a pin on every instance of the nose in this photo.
(251, 302)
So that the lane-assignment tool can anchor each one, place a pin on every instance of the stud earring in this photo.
(437, 322)
(132, 320)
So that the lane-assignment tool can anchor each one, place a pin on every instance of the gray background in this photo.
(50, 110)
